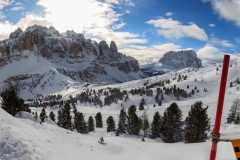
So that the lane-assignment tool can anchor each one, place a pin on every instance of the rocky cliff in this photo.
(181, 59)
(71, 55)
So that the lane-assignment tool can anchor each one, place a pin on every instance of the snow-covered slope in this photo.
(25, 138)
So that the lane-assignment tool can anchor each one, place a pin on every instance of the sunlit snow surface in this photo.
(24, 138)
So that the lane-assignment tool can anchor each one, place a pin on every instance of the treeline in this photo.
(169, 127)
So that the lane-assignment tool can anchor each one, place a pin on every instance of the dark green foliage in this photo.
(197, 124)
(132, 121)
(52, 116)
(11, 103)
(122, 127)
(80, 124)
(110, 124)
(60, 118)
(141, 106)
(66, 117)
(99, 122)
(193, 92)
(233, 111)
(155, 126)
(171, 125)
(91, 126)
(43, 115)
(237, 120)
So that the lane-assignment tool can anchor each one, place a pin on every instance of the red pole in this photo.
(220, 104)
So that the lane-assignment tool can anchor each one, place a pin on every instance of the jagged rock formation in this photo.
(72, 55)
(181, 59)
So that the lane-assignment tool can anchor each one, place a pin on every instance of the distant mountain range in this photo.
(172, 60)
(32, 59)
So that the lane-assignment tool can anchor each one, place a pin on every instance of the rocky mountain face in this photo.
(181, 59)
(71, 54)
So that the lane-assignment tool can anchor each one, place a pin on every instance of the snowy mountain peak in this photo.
(15, 34)
(70, 54)
(181, 59)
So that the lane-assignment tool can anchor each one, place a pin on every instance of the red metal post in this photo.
(220, 104)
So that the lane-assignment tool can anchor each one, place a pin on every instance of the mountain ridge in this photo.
(68, 54)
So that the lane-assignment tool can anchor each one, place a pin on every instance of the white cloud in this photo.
(127, 11)
(152, 54)
(4, 3)
(209, 54)
(227, 9)
(218, 42)
(129, 3)
(118, 26)
(17, 7)
(112, 1)
(173, 29)
(6, 28)
(211, 25)
(169, 14)
(91, 17)
(2, 15)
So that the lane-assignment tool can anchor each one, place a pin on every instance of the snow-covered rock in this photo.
(181, 59)
(16, 33)
(69, 54)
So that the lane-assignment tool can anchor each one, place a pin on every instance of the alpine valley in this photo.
(48, 69)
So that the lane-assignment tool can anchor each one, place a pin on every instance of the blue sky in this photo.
(144, 29)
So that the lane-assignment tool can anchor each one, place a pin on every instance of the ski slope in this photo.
(25, 138)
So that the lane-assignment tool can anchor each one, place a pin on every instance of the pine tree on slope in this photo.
(90, 124)
(155, 126)
(43, 115)
(197, 124)
(9, 101)
(80, 124)
(52, 116)
(110, 124)
(122, 127)
(66, 117)
(171, 130)
(132, 121)
(99, 122)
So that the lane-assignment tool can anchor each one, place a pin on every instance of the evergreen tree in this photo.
(66, 117)
(237, 120)
(10, 101)
(155, 126)
(197, 124)
(110, 124)
(141, 107)
(80, 124)
(43, 115)
(52, 116)
(122, 127)
(60, 118)
(143, 101)
(132, 121)
(171, 125)
(233, 111)
(90, 124)
(99, 122)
